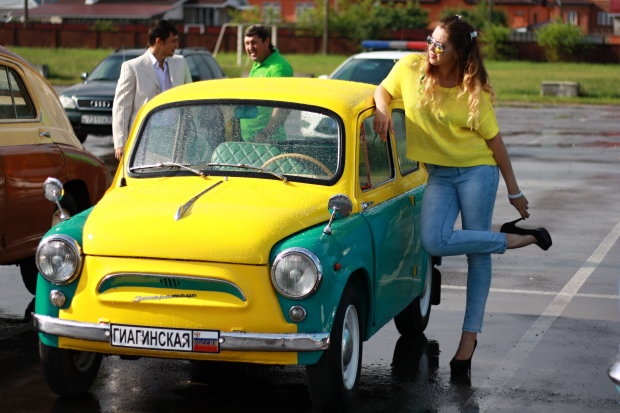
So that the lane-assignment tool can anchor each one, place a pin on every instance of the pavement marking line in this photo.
(535, 292)
(507, 368)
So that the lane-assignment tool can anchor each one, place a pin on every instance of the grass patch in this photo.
(65, 65)
(303, 64)
(517, 81)
(520, 81)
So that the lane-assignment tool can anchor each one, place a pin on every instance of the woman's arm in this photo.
(383, 117)
(500, 154)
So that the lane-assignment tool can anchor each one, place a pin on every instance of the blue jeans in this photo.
(470, 191)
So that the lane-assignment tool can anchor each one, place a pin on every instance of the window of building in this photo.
(272, 12)
(572, 17)
(604, 19)
(301, 8)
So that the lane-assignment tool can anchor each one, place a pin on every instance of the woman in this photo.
(452, 128)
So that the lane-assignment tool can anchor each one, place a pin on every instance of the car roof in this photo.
(138, 52)
(385, 54)
(336, 95)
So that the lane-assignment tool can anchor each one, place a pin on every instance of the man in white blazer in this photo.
(156, 71)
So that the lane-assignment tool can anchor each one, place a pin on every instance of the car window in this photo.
(405, 164)
(109, 68)
(371, 71)
(15, 103)
(198, 68)
(375, 161)
(238, 139)
(215, 68)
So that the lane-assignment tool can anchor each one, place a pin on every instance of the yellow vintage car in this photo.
(252, 220)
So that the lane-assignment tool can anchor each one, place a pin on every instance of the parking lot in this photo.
(552, 325)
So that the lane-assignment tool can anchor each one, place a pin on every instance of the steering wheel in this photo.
(310, 159)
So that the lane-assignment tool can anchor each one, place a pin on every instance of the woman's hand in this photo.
(521, 205)
(383, 124)
(383, 118)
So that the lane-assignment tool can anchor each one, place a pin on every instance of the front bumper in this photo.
(229, 341)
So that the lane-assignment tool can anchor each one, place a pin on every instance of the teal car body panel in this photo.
(73, 228)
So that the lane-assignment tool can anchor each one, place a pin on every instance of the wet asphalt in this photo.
(552, 326)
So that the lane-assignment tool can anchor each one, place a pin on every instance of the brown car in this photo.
(37, 141)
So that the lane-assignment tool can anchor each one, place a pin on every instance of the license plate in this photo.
(96, 120)
(169, 339)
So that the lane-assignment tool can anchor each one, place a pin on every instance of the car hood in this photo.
(238, 221)
(94, 88)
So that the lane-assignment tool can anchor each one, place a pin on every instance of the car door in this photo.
(27, 157)
(389, 213)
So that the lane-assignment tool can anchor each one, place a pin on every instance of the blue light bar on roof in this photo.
(394, 45)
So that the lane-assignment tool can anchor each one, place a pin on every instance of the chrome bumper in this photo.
(228, 341)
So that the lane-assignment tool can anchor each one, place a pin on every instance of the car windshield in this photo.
(240, 139)
(109, 68)
(371, 71)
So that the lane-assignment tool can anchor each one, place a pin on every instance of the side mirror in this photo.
(340, 207)
(84, 75)
(54, 191)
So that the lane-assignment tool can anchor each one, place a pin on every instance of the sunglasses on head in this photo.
(439, 48)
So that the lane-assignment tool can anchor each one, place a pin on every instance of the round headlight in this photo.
(59, 258)
(296, 273)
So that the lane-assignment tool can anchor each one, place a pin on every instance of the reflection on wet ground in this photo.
(408, 383)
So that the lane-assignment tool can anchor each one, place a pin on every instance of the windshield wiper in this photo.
(246, 166)
(183, 208)
(168, 165)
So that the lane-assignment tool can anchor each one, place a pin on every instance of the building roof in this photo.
(614, 7)
(106, 9)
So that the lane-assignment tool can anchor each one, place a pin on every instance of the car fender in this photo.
(73, 228)
(343, 254)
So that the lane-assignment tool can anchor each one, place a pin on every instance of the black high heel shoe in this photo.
(543, 238)
(462, 368)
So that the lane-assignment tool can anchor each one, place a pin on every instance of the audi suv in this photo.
(89, 104)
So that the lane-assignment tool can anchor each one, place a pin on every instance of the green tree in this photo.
(402, 16)
(496, 43)
(365, 19)
(478, 16)
(559, 41)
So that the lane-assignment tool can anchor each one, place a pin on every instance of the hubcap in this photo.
(425, 300)
(350, 347)
(83, 360)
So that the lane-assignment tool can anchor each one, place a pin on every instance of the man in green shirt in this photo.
(268, 62)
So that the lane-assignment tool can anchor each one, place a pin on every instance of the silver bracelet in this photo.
(515, 196)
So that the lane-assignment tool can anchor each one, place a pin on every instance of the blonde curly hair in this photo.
(471, 74)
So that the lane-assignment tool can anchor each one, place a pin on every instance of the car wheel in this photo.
(333, 381)
(69, 373)
(414, 318)
(81, 137)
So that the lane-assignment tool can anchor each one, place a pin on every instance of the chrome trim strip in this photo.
(109, 277)
(229, 341)
(72, 329)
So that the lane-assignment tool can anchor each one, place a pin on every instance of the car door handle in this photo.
(366, 205)
(45, 134)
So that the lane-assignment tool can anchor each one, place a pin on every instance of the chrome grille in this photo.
(95, 104)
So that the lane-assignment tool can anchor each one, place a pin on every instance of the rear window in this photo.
(15, 102)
